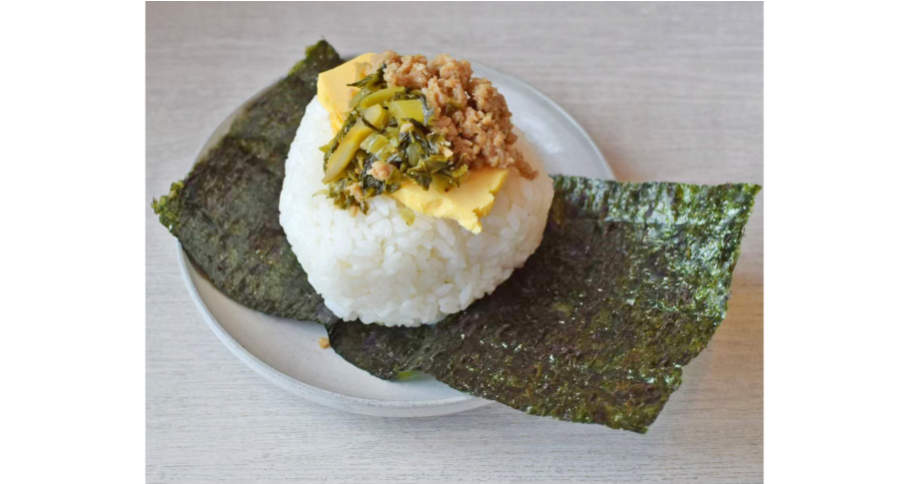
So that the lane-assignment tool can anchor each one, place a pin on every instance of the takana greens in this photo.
(629, 284)
(387, 126)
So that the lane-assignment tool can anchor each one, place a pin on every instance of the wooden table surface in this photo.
(669, 92)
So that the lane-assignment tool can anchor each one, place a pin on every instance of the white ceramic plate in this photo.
(287, 352)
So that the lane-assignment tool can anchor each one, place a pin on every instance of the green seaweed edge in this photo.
(225, 212)
(614, 361)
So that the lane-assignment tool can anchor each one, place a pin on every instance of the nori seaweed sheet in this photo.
(629, 284)
(225, 213)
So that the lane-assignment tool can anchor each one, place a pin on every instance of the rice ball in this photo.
(376, 268)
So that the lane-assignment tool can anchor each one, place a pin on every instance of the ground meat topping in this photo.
(469, 112)
(356, 191)
(381, 170)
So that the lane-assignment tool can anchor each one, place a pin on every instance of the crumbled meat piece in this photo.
(471, 113)
(356, 191)
(381, 170)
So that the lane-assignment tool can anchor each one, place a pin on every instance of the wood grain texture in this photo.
(670, 92)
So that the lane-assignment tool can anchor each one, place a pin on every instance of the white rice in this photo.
(377, 268)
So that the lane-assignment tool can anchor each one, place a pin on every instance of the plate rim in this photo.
(359, 405)
(297, 387)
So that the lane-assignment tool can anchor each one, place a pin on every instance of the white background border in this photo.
(836, 102)
(72, 241)
(837, 96)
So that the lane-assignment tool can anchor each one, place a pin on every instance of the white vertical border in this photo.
(837, 205)
(73, 226)
(73, 287)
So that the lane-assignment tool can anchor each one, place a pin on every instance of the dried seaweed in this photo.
(225, 213)
(629, 284)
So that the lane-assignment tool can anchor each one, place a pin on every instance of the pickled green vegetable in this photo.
(374, 144)
(379, 97)
(409, 109)
(377, 116)
(403, 137)
(346, 151)
(394, 136)
(408, 215)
